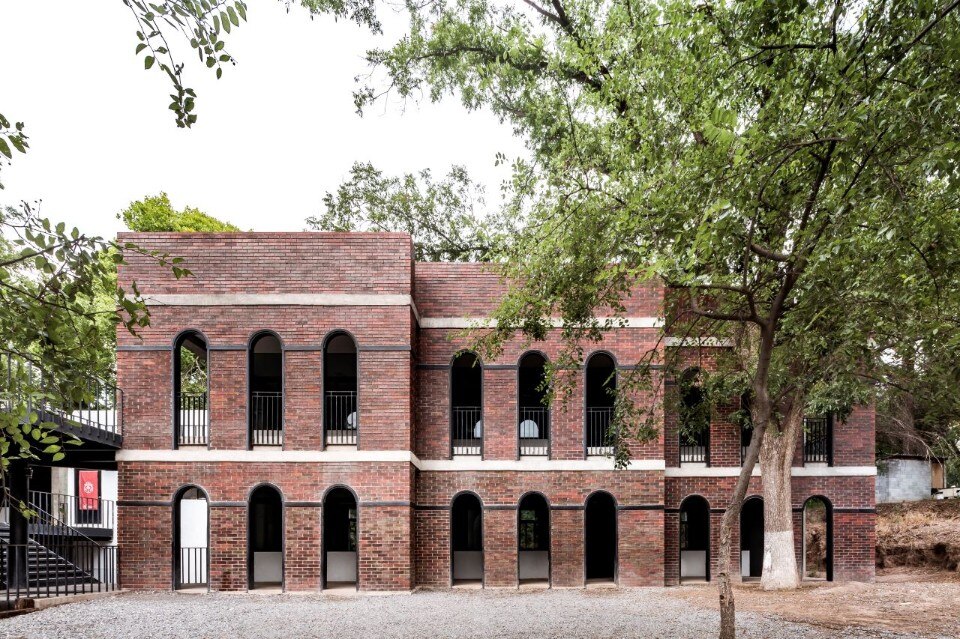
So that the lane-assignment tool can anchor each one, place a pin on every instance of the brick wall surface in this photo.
(404, 405)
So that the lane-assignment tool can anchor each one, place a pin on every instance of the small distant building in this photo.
(908, 478)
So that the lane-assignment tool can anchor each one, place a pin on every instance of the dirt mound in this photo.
(923, 533)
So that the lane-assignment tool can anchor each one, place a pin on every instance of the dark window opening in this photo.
(695, 538)
(190, 539)
(340, 537)
(601, 388)
(190, 382)
(600, 519)
(533, 538)
(466, 530)
(534, 423)
(751, 538)
(694, 413)
(341, 419)
(818, 440)
(746, 426)
(266, 391)
(265, 537)
(466, 405)
(818, 539)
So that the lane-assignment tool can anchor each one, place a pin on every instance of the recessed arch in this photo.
(265, 537)
(751, 538)
(341, 537)
(694, 417)
(265, 354)
(694, 538)
(191, 538)
(600, 537)
(817, 526)
(466, 539)
(341, 375)
(533, 538)
(533, 422)
(600, 386)
(191, 389)
(466, 404)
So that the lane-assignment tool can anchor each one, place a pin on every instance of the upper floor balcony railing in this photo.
(466, 430)
(817, 444)
(534, 430)
(598, 430)
(266, 418)
(340, 418)
(77, 511)
(694, 448)
(193, 419)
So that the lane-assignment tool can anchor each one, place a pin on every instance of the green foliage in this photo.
(444, 217)
(155, 213)
(12, 139)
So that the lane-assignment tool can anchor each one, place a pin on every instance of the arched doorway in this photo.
(533, 539)
(265, 538)
(191, 557)
(695, 539)
(818, 538)
(600, 537)
(534, 413)
(466, 405)
(340, 417)
(601, 388)
(466, 537)
(340, 538)
(751, 538)
(190, 389)
(266, 390)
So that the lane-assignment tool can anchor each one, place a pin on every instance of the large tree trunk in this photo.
(776, 461)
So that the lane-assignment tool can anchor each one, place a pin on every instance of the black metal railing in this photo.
(694, 447)
(340, 418)
(598, 430)
(74, 402)
(534, 426)
(192, 569)
(466, 430)
(817, 440)
(36, 570)
(193, 419)
(266, 418)
(75, 511)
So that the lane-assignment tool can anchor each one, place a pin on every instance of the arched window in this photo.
(191, 558)
(601, 388)
(694, 413)
(818, 440)
(341, 419)
(191, 416)
(533, 539)
(694, 539)
(600, 533)
(340, 538)
(265, 538)
(466, 532)
(751, 538)
(466, 405)
(534, 422)
(266, 390)
(818, 539)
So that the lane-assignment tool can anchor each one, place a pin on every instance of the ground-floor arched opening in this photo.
(600, 537)
(751, 538)
(694, 539)
(533, 539)
(818, 539)
(191, 557)
(340, 539)
(466, 532)
(265, 538)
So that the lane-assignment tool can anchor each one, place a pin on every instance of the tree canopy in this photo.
(156, 213)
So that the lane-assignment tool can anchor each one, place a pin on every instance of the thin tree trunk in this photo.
(776, 459)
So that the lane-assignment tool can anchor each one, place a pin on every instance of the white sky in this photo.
(274, 134)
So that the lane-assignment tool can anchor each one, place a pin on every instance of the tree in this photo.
(155, 213)
(445, 217)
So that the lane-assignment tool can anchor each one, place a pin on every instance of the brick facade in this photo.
(407, 321)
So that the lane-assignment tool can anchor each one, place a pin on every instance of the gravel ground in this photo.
(639, 613)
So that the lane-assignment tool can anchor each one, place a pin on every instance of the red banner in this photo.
(89, 489)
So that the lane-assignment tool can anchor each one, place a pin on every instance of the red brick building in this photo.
(297, 414)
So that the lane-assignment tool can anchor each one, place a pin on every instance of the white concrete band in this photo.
(556, 322)
(799, 471)
(534, 464)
